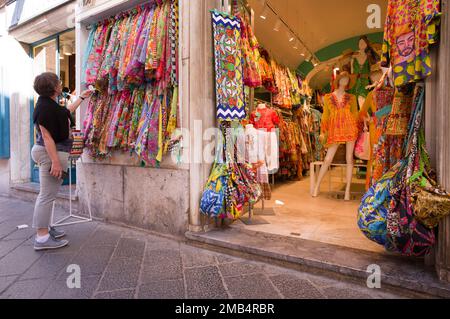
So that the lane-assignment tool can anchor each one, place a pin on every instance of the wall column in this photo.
(197, 94)
(438, 132)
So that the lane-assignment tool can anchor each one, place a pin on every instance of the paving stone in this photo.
(166, 289)
(18, 260)
(7, 228)
(204, 283)
(194, 257)
(5, 282)
(78, 235)
(155, 243)
(130, 248)
(20, 234)
(345, 293)
(104, 237)
(7, 246)
(223, 259)
(93, 260)
(292, 287)
(121, 274)
(59, 290)
(118, 294)
(321, 281)
(27, 289)
(251, 287)
(162, 265)
(240, 268)
(48, 266)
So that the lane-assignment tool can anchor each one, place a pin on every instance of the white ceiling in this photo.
(318, 24)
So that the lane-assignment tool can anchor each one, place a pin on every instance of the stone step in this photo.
(30, 191)
(407, 275)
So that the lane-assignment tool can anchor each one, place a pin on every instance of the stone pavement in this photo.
(118, 262)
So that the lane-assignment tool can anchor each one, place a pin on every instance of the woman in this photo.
(51, 153)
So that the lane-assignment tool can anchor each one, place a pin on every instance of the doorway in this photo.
(55, 54)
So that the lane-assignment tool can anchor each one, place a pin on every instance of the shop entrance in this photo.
(306, 43)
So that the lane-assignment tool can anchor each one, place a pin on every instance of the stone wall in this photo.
(4, 177)
(152, 199)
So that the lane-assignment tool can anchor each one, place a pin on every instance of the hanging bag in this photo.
(362, 147)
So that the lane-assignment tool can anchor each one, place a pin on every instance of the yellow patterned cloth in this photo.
(411, 26)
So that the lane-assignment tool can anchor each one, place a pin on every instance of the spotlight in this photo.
(277, 26)
(265, 13)
(290, 36)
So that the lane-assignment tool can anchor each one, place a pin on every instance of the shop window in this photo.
(4, 126)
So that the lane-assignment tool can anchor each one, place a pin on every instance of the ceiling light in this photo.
(296, 45)
(265, 13)
(277, 26)
(290, 36)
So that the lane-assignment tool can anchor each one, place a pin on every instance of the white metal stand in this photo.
(79, 219)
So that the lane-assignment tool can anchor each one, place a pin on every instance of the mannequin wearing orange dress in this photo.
(339, 126)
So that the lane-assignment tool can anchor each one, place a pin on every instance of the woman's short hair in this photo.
(45, 84)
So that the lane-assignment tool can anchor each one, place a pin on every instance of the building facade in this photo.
(165, 200)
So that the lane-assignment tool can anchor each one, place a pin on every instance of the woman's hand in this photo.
(86, 94)
(56, 170)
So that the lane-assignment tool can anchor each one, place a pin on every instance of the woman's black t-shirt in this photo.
(55, 119)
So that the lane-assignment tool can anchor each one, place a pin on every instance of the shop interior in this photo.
(294, 33)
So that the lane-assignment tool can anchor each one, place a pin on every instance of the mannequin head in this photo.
(366, 47)
(363, 44)
(344, 81)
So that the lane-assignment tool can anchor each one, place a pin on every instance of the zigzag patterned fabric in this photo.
(228, 66)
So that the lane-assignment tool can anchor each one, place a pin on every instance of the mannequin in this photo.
(266, 121)
(339, 126)
(361, 67)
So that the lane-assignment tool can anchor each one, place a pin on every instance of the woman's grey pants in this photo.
(49, 185)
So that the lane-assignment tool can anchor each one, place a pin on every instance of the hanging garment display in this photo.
(411, 27)
(390, 213)
(131, 59)
(302, 116)
(250, 51)
(232, 183)
(317, 148)
(378, 106)
(267, 75)
(228, 67)
(389, 150)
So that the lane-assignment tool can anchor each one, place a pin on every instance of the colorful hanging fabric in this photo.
(411, 27)
(394, 221)
(132, 60)
(228, 67)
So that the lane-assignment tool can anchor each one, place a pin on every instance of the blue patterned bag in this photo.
(213, 198)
